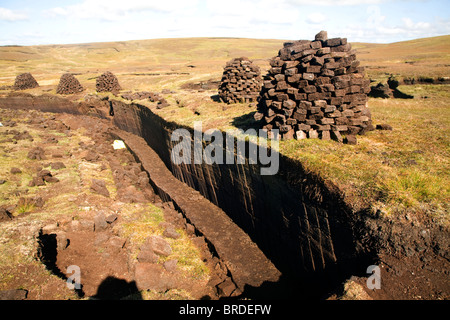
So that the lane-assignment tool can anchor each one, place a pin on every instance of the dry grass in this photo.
(392, 171)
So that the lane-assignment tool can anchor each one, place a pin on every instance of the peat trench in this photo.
(290, 235)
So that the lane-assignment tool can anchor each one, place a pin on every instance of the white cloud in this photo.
(117, 9)
(9, 15)
(335, 2)
(315, 18)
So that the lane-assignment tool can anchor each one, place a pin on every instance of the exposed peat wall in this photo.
(295, 218)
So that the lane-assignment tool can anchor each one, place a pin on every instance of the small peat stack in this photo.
(316, 89)
(68, 84)
(241, 81)
(25, 81)
(107, 82)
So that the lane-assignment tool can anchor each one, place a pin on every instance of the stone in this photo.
(313, 134)
(171, 265)
(99, 186)
(36, 154)
(335, 135)
(171, 233)
(100, 222)
(383, 126)
(149, 276)
(111, 218)
(325, 135)
(158, 245)
(62, 242)
(226, 288)
(322, 36)
(5, 215)
(15, 170)
(57, 165)
(147, 255)
(350, 139)
(91, 156)
(300, 135)
(14, 294)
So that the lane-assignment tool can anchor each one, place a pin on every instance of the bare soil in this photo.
(58, 235)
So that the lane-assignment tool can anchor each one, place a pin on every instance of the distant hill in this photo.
(420, 57)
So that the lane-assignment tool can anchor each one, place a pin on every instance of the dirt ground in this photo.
(97, 211)
(68, 198)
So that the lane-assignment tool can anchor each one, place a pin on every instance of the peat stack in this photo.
(68, 84)
(316, 89)
(241, 81)
(25, 81)
(107, 82)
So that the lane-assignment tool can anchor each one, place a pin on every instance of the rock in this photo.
(149, 276)
(158, 245)
(15, 170)
(383, 126)
(61, 241)
(100, 222)
(322, 36)
(5, 215)
(57, 165)
(100, 238)
(91, 156)
(313, 134)
(50, 228)
(51, 179)
(171, 233)
(147, 255)
(226, 288)
(36, 154)
(14, 294)
(350, 139)
(99, 186)
(335, 135)
(300, 135)
(36, 182)
(111, 218)
(170, 265)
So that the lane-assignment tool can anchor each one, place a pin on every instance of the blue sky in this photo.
(31, 22)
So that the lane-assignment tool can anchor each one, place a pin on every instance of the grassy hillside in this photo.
(404, 170)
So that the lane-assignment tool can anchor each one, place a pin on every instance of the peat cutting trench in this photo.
(289, 235)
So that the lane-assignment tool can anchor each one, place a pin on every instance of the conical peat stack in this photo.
(25, 81)
(316, 89)
(107, 82)
(241, 81)
(68, 84)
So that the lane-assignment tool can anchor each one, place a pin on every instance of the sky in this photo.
(36, 22)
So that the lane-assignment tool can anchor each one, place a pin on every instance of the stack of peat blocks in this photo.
(241, 81)
(316, 89)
